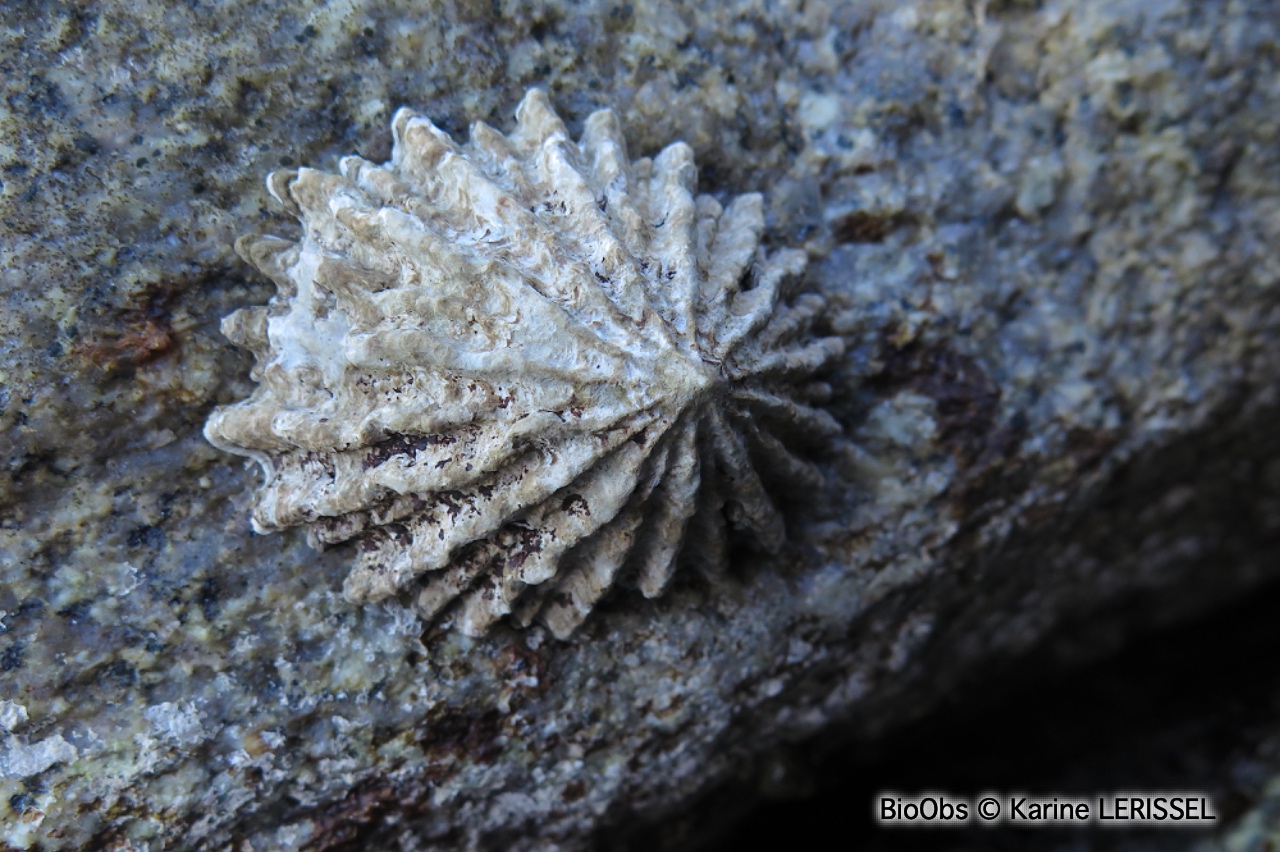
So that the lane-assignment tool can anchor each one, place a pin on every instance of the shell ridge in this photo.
(417, 146)
(593, 502)
(442, 588)
(608, 546)
(675, 279)
(313, 194)
(754, 309)
(577, 510)
(247, 328)
(676, 496)
(590, 573)
(272, 256)
(750, 507)
(792, 322)
(278, 187)
(619, 282)
(784, 466)
(382, 405)
(439, 462)
(457, 516)
(706, 547)
(605, 146)
(788, 413)
(737, 241)
(577, 358)
(323, 492)
(559, 280)
(351, 287)
(611, 262)
(787, 363)
(528, 558)
(536, 120)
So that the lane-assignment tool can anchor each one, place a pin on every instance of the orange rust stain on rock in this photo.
(136, 344)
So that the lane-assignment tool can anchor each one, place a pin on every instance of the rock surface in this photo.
(1055, 225)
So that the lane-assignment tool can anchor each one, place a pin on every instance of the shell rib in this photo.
(519, 371)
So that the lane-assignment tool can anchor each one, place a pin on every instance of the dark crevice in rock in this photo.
(1198, 520)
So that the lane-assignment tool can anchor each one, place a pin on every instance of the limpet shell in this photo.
(518, 371)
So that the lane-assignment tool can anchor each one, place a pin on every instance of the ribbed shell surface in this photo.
(519, 371)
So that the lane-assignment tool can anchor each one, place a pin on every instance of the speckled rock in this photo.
(1053, 226)
(1257, 830)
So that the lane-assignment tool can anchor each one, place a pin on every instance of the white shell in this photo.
(519, 370)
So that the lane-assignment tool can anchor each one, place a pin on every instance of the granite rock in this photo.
(1052, 226)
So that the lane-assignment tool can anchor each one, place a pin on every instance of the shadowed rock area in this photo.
(1050, 230)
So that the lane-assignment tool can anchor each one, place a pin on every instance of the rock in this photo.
(1052, 233)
